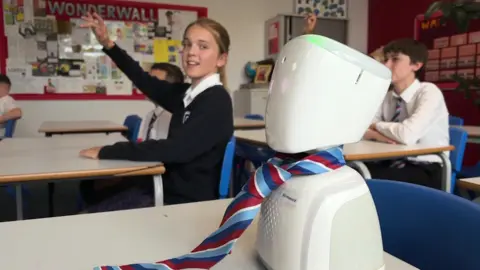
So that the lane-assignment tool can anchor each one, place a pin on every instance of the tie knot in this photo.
(281, 168)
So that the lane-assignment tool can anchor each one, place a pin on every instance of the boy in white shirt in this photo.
(156, 123)
(8, 108)
(412, 112)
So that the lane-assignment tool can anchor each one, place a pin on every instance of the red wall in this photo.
(392, 19)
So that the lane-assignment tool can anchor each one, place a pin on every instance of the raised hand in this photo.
(96, 23)
(310, 23)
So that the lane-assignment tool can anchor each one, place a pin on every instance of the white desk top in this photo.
(240, 123)
(473, 131)
(469, 183)
(123, 237)
(363, 150)
(76, 126)
(25, 159)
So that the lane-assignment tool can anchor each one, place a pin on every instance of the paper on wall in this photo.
(173, 23)
(167, 51)
(70, 85)
(119, 87)
(23, 82)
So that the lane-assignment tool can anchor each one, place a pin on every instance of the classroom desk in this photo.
(79, 127)
(242, 123)
(358, 153)
(469, 183)
(143, 235)
(473, 133)
(54, 159)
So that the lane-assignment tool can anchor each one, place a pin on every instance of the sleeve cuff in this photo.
(381, 126)
(113, 50)
(112, 151)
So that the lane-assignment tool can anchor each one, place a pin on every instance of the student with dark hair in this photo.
(8, 108)
(156, 123)
(413, 112)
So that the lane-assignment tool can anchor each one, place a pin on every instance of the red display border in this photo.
(201, 12)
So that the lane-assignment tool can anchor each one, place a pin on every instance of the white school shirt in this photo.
(7, 103)
(160, 126)
(206, 83)
(424, 118)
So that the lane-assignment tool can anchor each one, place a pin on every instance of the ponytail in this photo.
(223, 76)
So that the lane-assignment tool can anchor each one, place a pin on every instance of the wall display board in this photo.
(449, 53)
(49, 57)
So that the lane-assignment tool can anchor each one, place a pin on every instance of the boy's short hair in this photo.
(416, 50)
(4, 79)
(174, 73)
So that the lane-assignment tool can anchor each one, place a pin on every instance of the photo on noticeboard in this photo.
(322, 8)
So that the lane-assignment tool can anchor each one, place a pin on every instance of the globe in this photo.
(251, 70)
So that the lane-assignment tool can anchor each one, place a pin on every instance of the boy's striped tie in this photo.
(243, 209)
(398, 110)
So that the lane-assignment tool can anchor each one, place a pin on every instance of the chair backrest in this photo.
(427, 228)
(458, 138)
(10, 128)
(254, 116)
(227, 168)
(455, 121)
(133, 123)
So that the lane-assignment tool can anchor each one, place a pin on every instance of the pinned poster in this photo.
(167, 51)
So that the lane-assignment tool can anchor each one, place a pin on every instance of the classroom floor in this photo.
(36, 201)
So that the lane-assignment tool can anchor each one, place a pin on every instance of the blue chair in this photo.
(227, 165)
(10, 128)
(254, 116)
(427, 228)
(458, 138)
(471, 171)
(133, 123)
(455, 121)
(244, 151)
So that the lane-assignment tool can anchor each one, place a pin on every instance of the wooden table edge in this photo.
(116, 172)
(399, 153)
(111, 129)
(359, 157)
(463, 183)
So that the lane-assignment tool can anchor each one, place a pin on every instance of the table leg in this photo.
(158, 189)
(19, 201)
(446, 173)
(51, 191)
(361, 168)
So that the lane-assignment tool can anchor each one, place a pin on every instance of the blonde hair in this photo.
(221, 38)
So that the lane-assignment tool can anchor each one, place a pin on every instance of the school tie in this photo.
(398, 109)
(244, 207)
(150, 126)
(399, 163)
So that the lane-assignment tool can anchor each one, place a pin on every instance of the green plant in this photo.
(460, 13)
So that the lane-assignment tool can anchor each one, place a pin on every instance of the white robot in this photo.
(322, 94)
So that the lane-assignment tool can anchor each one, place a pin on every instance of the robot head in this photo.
(322, 94)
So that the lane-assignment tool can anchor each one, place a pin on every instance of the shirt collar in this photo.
(206, 83)
(408, 94)
(158, 110)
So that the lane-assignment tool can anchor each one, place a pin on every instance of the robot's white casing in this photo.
(322, 94)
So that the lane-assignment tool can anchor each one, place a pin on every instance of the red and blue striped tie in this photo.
(243, 209)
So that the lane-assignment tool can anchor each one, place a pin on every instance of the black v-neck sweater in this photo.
(198, 134)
